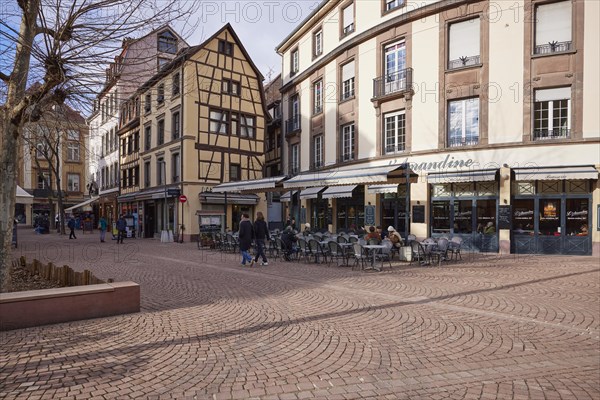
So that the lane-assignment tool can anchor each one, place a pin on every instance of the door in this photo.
(395, 67)
(149, 223)
(549, 227)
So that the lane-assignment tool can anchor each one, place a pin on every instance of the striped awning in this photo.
(462, 176)
(261, 185)
(287, 197)
(556, 173)
(82, 204)
(338, 192)
(311, 193)
(381, 189)
(358, 175)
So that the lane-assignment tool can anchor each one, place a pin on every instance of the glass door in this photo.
(395, 67)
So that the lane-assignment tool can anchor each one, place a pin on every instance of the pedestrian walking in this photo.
(246, 233)
(71, 226)
(121, 228)
(261, 234)
(102, 225)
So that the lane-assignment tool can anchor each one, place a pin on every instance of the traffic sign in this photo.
(182, 198)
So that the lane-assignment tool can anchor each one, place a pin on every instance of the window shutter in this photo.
(348, 15)
(464, 39)
(348, 71)
(563, 93)
(553, 23)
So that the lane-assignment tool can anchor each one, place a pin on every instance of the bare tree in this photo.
(64, 45)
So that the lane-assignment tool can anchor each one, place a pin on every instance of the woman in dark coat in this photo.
(246, 233)
(261, 234)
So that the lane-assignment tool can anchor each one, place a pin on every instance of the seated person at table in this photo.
(489, 228)
(307, 231)
(373, 234)
(288, 238)
(395, 237)
(583, 230)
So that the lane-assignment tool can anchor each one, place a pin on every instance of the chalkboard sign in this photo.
(369, 215)
(418, 214)
(504, 216)
(329, 215)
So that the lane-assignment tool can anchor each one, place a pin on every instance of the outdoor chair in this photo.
(342, 239)
(411, 238)
(352, 239)
(419, 254)
(385, 255)
(440, 251)
(315, 250)
(360, 256)
(337, 252)
(454, 247)
(303, 251)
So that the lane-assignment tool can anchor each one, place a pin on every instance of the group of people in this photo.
(257, 232)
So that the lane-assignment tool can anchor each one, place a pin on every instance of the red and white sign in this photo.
(182, 199)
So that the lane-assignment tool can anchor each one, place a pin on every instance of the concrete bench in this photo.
(51, 306)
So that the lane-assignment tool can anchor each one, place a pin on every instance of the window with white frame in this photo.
(73, 151)
(161, 167)
(318, 43)
(247, 125)
(176, 84)
(318, 97)
(348, 80)
(393, 4)
(348, 19)
(148, 103)
(318, 151)
(147, 174)
(175, 125)
(552, 113)
(463, 122)
(176, 167)
(147, 137)
(73, 182)
(294, 159)
(348, 141)
(395, 67)
(219, 122)
(294, 62)
(553, 30)
(73, 135)
(394, 132)
(160, 97)
(463, 43)
(167, 42)
(43, 181)
(160, 130)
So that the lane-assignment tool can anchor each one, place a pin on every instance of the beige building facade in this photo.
(442, 118)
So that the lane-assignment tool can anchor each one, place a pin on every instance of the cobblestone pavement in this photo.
(489, 327)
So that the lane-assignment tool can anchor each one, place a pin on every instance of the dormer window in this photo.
(167, 42)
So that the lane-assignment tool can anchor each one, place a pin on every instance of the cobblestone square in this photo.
(486, 327)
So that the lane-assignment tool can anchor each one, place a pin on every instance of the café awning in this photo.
(82, 204)
(23, 197)
(555, 173)
(357, 175)
(262, 185)
(338, 192)
(232, 198)
(311, 193)
(287, 197)
(462, 176)
(381, 189)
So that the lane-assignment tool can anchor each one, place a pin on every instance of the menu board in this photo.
(504, 216)
(418, 214)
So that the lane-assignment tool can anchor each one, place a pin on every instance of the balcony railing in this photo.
(464, 62)
(292, 125)
(459, 141)
(390, 149)
(553, 47)
(556, 133)
(397, 82)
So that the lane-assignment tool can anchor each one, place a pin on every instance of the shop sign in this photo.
(369, 215)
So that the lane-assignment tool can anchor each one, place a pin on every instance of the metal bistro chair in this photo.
(352, 239)
(411, 238)
(337, 252)
(440, 251)
(385, 254)
(454, 247)
(419, 254)
(315, 250)
(303, 251)
(360, 256)
(373, 241)
(342, 239)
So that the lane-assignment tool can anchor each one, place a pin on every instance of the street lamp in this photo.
(164, 234)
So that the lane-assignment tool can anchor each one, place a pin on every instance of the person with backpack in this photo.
(246, 234)
(71, 226)
(261, 234)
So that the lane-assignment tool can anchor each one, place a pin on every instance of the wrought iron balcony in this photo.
(556, 133)
(459, 141)
(391, 149)
(553, 47)
(464, 62)
(397, 82)
(292, 125)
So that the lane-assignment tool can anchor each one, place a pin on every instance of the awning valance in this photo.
(462, 176)
(311, 193)
(287, 197)
(555, 173)
(338, 192)
(381, 189)
(232, 198)
(82, 204)
(23, 197)
(261, 185)
(358, 175)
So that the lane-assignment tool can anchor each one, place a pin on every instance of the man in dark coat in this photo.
(121, 228)
(288, 238)
(246, 234)
(261, 234)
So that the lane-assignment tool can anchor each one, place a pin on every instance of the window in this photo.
(167, 42)
(130, 177)
(130, 144)
(247, 126)
(73, 135)
(318, 151)
(394, 132)
(136, 141)
(160, 171)
(293, 124)
(160, 98)
(348, 80)
(148, 103)
(230, 87)
(41, 150)
(162, 62)
(219, 121)
(318, 97)
(348, 142)
(318, 43)
(73, 151)
(161, 132)
(225, 48)
(175, 166)
(294, 159)
(552, 113)
(147, 137)
(393, 4)
(235, 172)
(348, 20)
(395, 67)
(124, 178)
(147, 174)
(294, 62)
(175, 125)
(43, 180)
(123, 150)
(463, 44)
(136, 175)
(176, 84)
(463, 122)
(72, 182)
(553, 27)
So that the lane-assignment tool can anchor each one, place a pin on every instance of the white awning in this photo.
(381, 189)
(244, 186)
(311, 193)
(338, 192)
(82, 204)
(358, 175)
(464, 176)
(232, 198)
(555, 173)
(23, 197)
(287, 197)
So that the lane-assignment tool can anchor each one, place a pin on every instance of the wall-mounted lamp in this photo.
(506, 177)
(418, 202)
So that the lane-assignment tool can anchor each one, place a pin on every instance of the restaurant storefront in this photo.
(349, 206)
(393, 207)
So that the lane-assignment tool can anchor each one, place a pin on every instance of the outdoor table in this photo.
(375, 249)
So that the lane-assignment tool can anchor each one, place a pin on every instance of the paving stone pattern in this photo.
(489, 327)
